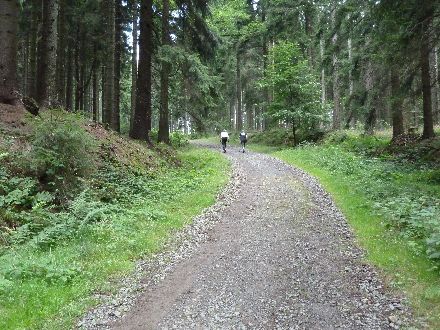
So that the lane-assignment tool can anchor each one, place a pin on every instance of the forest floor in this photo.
(273, 252)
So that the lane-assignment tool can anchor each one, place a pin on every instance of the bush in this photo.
(61, 151)
(273, 137)
(48, 171)
(336, 137)
(178, 139)
(154, 134)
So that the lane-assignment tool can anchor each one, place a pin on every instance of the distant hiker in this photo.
(224, 136)
(243, 140)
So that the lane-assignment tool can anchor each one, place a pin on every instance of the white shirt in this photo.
(224, 135)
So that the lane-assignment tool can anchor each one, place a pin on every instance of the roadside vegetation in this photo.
(390, 195)
(79, 206)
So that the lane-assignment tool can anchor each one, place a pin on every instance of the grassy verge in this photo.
(393, 209)
(49, 288)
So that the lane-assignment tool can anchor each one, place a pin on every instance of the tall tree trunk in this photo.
(350, 73)
(82, 71)
(35, 19)
(134, 60)
(8, 50)
(238, 95)
(69, 77)
(434, 83)
(142, 114)
(250, 116)
(103, 96)
(61, 52)
(95, 84)
(108, 101)
(231, 113)
(25, 61)
(260, 119)
(265, 53)
(323, 84)
(396, 104)
(336, 92)
(47, 50)
(309, 16)
(116, 121)
(437, 75)
(87, 92)
(95, 94)
(424, 26)
(371, 119)
(77, 67)
(428, 122)
(163, 134)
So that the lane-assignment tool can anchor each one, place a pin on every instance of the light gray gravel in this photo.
(273, 253)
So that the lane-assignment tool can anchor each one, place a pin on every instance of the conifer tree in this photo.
(8, 50)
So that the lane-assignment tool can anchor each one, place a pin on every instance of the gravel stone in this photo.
(274, 252)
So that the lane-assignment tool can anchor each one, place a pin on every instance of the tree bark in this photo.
(77, 66)
(116, 122)
(25, 58)
(134, 60)
(47, 49)
(309, 16)
(250, 116)
(350, 73)
(428, 122)
(437, 75)
(265, 89)
(238, 95)
(231, 113)
(61, 52)
(95, 95)
(8, 51)
(396, 104)
(35, 19)
(81, 83)
(425, 24)
(163, 134)
(108, 101)
(434, 84)
(323, 84)
(103, 91)
(69, 77)
(336, 92)
(370, 122)
(142, 115)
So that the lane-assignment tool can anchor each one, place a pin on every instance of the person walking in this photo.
(243, 140)
(224, 136)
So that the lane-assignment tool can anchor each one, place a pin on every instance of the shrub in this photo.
(178, 139)
(273, 137)
(336, 137)
(61, 151)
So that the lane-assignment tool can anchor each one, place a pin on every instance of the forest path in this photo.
(280, 256)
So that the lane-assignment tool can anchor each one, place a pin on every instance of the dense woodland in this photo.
(87, 187)
(145, 66)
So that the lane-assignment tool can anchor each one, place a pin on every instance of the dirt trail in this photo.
(279, 256)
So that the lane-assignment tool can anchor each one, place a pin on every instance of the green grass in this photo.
(351, 179)
(31, 299)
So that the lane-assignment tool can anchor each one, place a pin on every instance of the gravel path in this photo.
(273, 253)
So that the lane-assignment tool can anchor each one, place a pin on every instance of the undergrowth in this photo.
(75, 214)
(283, 137)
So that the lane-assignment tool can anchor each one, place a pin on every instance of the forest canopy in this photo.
(152, 67)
